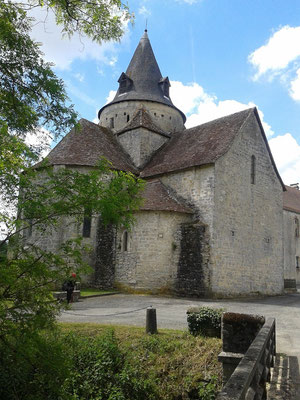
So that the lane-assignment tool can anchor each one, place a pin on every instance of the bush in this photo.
(32, 367)
(205, 321)
(100, 371)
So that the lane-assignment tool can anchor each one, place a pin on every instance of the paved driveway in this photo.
(125, 309)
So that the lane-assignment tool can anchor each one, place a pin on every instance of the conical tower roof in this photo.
(143, 79)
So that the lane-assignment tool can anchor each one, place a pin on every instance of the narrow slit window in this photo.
(253, 170)
(297, 262)
(296, 227)
(128, 118)
(112, 122)
(125, 241)
(87, 224)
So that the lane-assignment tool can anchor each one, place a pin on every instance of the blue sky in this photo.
(221, 56)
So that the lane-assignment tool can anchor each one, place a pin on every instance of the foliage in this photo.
(178, 365)
(30, 94)
(100, 371)
(32, 366)
(208, 389)
(32, 97)
(205, 321)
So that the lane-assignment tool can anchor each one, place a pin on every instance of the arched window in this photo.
(253, 169)
(296, 227)
(125, 241)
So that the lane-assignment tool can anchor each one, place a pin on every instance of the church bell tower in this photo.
(142, 115)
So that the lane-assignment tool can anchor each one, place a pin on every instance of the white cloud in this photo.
(295, 87)
(80, 77)
(144, 11)
(286, 153)
(111, 96)
(282, 48)
(201, 107)
(62, 50)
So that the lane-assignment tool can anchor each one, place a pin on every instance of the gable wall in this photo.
(140, 144)
(247, 253)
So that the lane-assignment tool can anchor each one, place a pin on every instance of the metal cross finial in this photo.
(146, 29)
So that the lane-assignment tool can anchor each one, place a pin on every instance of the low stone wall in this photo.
(247, 356)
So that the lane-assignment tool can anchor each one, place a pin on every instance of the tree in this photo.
(31, 97)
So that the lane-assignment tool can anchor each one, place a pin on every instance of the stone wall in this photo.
(247, 252)
(291, 248)
(153, 250)
(140, 144)
(165, 117)
(193, 276)
(196, 187)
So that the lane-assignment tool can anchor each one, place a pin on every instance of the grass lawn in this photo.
(92, 292)
(180, 365)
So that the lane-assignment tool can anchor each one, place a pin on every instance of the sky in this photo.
(221, 56)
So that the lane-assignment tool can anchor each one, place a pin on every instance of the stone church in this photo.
(212, 219)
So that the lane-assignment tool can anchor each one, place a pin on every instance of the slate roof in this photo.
(291, 199)
(141, 119)
(144, 71)
(201, 145)
(158, 198)
(87, 145)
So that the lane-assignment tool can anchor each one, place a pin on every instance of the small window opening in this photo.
(253, 170)
(297, 262)
(124, 113)
(116, 115)
(125, 241)
(297, 227)
(112, 122)
(170, 117)
(162, 115)
(155, 114)
(128, 117)
(87, 224)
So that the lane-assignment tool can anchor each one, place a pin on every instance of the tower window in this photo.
(125, 241)
(128, 118)
(87, 224)
(111, 122)
(297, 262)
(297, 227)
(253, 169)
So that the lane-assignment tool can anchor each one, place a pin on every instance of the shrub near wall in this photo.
(205, 321)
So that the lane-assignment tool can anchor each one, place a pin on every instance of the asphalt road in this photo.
(125, 309)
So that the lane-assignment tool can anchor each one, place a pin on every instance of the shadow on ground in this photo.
(285, 379)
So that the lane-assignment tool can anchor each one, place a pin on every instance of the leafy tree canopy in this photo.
(31, 97)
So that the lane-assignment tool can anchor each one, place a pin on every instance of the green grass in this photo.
(178, 363)
(92, 292)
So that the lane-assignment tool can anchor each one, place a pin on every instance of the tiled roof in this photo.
(158, 198)
(85, 146)
(291, 199)
(145, 74)
(200, 145)
(141, 119)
